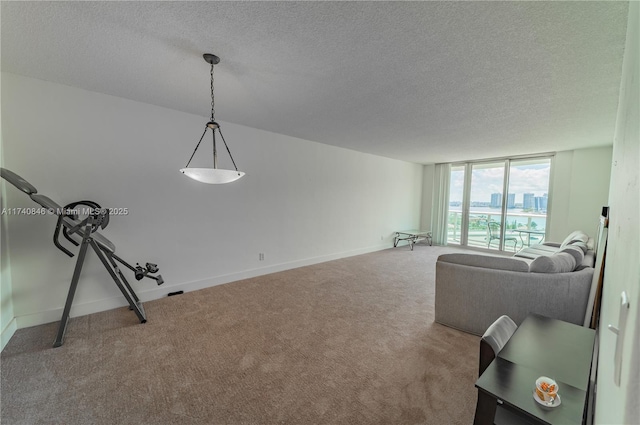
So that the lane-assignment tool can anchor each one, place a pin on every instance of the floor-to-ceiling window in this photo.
(499, 204)
(456, 195)
(485, 204)
(529, 185)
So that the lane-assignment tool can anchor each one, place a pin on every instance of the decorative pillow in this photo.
(575, 236)
(561, 262)
(583, 246)
(575, 251)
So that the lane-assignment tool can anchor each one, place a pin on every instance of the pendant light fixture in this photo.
(213, 175)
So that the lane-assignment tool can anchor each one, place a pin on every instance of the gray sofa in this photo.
(551, 279)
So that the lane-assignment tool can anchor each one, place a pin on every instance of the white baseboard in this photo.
(48, 316)
(159, 292)
(8, 332)
(83, 309)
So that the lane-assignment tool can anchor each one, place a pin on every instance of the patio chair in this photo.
(496, 234)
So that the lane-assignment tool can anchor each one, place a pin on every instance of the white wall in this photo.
(619, 404)
(7, 321)
(579, 190)
(301, 202)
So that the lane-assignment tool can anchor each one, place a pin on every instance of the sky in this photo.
(487, 179)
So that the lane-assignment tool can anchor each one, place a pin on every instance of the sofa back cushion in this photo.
(588, 261)
(560, 262)
(486, 261)
(575, 251)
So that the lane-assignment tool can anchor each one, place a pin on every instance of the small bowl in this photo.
(546, 389)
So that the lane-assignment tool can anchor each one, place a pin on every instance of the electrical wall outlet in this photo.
(261, 256)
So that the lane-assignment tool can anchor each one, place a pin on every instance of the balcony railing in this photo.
(527, 228)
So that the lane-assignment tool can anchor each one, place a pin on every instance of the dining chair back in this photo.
(492, 341)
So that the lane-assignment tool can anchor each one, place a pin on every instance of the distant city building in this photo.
(540, 203)
(511, 200)
(528, 201)
(496, 200)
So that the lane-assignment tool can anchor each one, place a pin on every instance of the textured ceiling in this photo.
(419, 81)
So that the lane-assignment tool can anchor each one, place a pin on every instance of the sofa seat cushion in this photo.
(561, 262)
(486, 261)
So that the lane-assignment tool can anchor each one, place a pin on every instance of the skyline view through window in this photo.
(525, 204)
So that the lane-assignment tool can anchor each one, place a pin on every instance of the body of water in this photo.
(521, 218)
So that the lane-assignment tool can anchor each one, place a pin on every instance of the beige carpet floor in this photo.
(350, 341)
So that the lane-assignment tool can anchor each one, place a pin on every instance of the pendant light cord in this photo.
(213, 103)
(205, 129)
(219, 129)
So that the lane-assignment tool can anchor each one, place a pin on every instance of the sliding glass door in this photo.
(498, 205)
(485, 208)
(529, 182)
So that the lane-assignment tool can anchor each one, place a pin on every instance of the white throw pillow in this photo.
(575, 236)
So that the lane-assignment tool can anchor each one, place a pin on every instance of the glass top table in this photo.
(412, 237)
(529, 233)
